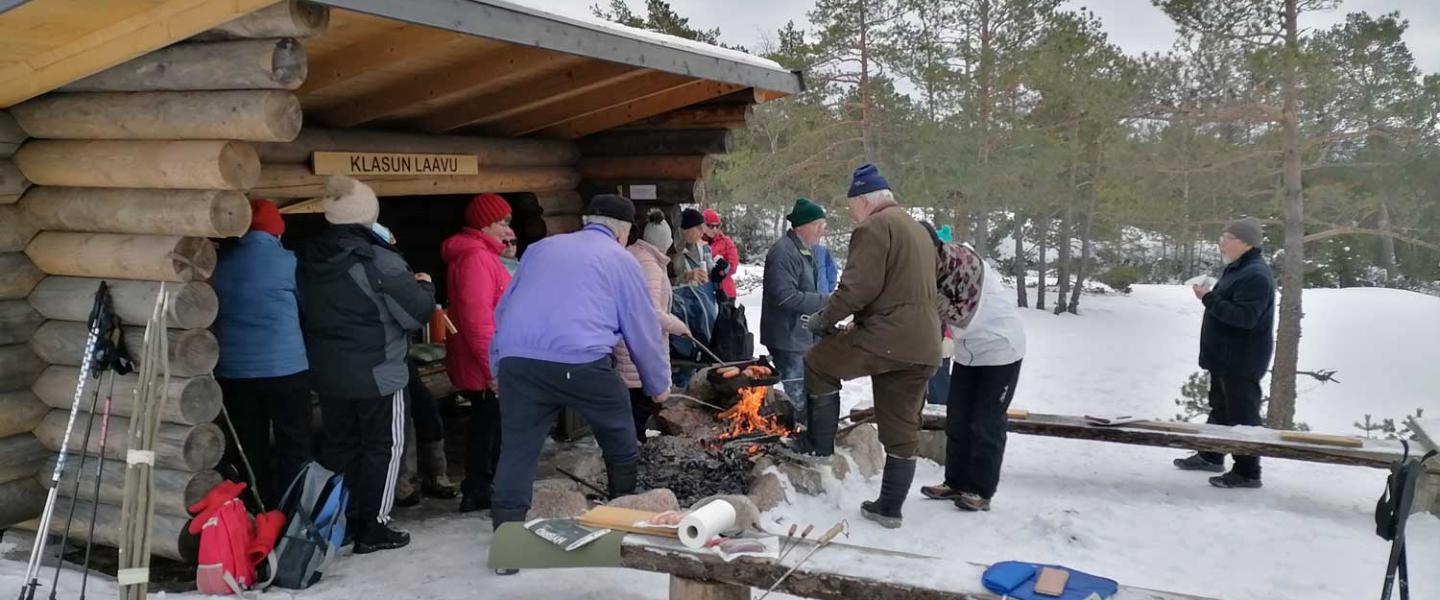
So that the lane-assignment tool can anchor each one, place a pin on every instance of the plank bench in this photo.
(838, 572)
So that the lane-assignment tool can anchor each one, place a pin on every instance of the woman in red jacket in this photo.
(721, 246)
(476, 279)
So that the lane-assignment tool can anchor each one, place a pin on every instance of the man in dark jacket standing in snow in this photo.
(358, 301)
(1237, 339)
(791, 291)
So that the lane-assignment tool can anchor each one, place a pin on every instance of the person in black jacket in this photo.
(358, 301)
(1237, 339)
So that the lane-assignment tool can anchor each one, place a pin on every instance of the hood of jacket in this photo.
(642, 247)
(469, 240)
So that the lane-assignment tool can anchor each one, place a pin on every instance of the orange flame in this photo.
(745, 417)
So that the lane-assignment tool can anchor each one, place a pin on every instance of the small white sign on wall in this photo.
(642, 192)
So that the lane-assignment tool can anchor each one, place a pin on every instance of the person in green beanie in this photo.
(792, 290)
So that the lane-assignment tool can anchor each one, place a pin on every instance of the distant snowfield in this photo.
(1118, 511)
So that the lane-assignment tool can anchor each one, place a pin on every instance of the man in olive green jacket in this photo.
(889, 286)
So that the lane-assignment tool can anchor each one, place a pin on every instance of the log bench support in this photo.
(682, 588)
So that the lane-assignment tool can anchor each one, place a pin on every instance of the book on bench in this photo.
(568, 534)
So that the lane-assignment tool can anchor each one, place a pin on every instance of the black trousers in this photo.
(532, 394)
(641, 407)
(424, 409)
(975, 426)
(364, 439)
(482, 449)
(1235, 401)
(272, 420)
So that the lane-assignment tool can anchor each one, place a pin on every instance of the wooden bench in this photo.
(1255, 441)
(838, 572)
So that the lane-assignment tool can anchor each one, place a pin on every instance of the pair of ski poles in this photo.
(101, 325)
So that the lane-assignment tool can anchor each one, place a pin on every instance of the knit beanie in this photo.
(658, 232)
(804, 212)
(265, 217)
(691, 218)
(348, 201)
(614, 206)
(867, 179)
(1247, 230)
(486, 210)
(711, 217)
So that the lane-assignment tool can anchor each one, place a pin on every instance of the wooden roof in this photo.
(480, 67)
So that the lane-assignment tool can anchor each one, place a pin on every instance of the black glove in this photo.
(718, 272)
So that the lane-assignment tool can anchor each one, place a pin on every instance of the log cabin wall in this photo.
(126, 176)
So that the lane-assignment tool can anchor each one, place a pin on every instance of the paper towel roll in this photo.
(702, 525)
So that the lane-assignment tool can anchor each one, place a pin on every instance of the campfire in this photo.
(745, 425)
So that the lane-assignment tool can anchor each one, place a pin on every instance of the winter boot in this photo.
(1198, 462)
(822, 419)
(894, 486)
(1234, 480)
(435, 482)
(406, 494)
(940, 492)
(474, 502)
(622, 476)
(972, 502)
(375, 537)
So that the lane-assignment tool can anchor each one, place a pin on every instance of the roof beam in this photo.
(532, 27)
(160, 26)
(618, 85)
(642, 108)
(550, 89)
(698, 117)
(495, 69)
(337, 67)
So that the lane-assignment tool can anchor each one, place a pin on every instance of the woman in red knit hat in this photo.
(476, 279)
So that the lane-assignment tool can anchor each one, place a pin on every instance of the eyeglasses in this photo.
(1225, 237)
(508, 242)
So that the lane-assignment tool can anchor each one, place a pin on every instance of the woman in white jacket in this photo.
(989, 344)
(650, 251)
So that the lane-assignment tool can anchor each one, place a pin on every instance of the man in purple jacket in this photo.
(572, 299)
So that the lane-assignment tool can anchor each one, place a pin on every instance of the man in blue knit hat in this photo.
(889, 287)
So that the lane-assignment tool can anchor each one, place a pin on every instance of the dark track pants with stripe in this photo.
(364, 438)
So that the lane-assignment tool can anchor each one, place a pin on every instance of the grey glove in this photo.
(816, 324)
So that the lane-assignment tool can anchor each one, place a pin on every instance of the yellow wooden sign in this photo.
(392, 163)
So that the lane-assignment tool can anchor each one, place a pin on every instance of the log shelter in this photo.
(132, 133)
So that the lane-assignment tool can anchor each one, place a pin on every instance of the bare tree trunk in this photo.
(1292, 275)
(980, 235)
(867, 131)
(1042, 236)
(985, 96)
(1387, 246)
(1021, 296)
(1067, 219)
(1084, 267)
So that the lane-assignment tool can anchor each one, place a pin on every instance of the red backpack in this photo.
(232, 544)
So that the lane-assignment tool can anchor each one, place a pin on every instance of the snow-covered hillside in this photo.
(1118, 511)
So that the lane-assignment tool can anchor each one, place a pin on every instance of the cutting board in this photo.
(624, 519)
(1343, 441)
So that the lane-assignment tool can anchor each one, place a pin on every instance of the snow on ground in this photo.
(1118, 511)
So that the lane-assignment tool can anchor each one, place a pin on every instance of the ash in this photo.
(693, 473)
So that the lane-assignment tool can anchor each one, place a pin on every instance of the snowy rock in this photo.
(767, 492)
(660, 500)
(684, 418)
(932, 446)
(747, 514)
(557, 499)
(804, 475)
(580, 459)
(863, 443)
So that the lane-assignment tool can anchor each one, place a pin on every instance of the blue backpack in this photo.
(1013, 579)
(314, 508)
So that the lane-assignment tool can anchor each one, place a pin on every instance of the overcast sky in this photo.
(1135, 25)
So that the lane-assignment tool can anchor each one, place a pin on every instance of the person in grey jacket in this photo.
(791, 291)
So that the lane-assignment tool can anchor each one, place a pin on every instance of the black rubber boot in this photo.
(894, 486)
(822, 413)
(622, 476)
(375, 537)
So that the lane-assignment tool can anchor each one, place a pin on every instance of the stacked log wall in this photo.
(127, 177)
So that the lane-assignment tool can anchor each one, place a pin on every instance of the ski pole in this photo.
(32, 569)
(75, 490)
(99, 474)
